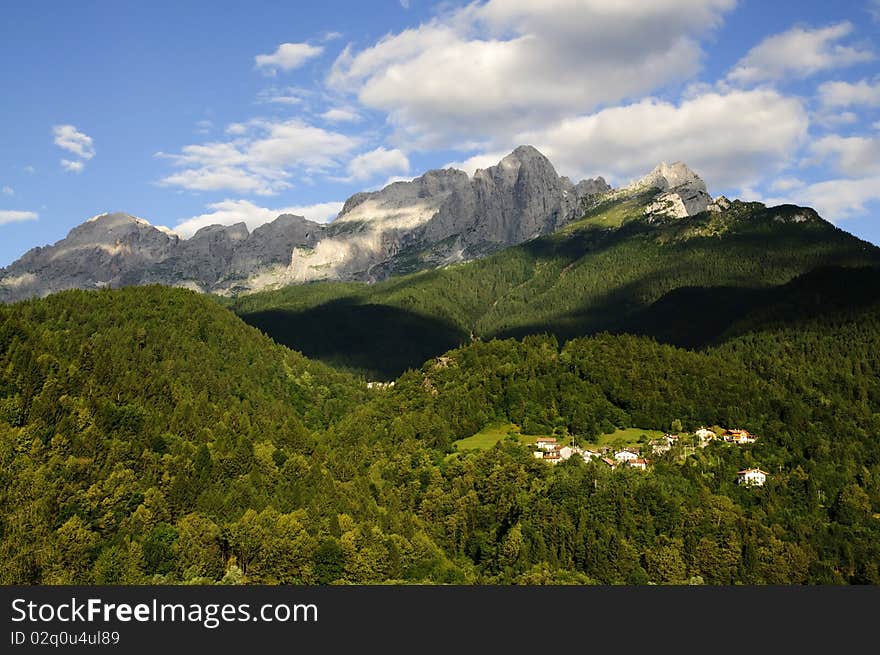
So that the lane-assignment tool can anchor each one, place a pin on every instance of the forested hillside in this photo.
(684, 282)
(148, 435)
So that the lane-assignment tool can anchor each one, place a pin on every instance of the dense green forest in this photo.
(149, 435)
(682, 282)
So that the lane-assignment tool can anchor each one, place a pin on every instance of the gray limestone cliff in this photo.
(441, 217)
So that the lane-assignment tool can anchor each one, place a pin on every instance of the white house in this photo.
(752, 477)
(705, 435)
(626, 455)
(739, 437)
(590, 454)
(638, 463)
(566, 451)
(546, 443)
(552, 456)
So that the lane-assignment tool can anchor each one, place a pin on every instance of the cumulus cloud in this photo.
(72, 165)
(850, 94)
(13, 216)
(379, 161)
(851, 155)
(731, 139)
(7, 191)
(494, 68)
(287, 57)
(341, 115)
(836, 199)
(230, 212)
(786, 184)
(67, 137)
(483, 160)
(799, 52)
(261, 158)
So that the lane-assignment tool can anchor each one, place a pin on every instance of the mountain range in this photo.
(439, 218)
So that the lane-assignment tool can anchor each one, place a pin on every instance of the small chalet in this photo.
(610, 462)
(552, 456)
(546, 443)
(739, 437)
(752, 477)
(639, 463)
(626, 455)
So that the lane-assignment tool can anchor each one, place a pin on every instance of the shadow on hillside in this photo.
(379, 341)
(695, 317)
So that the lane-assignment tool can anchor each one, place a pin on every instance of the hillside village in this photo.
(548, 449)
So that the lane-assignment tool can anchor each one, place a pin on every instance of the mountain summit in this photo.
(442, 217)
(684, 192)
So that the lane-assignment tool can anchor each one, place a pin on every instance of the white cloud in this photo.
(495, 68)
(72, 166)
(219, 178)
(204, 126)
(12, 216)
(287, 57)
(833, 118)
(472, 164)
(380, 160)
(229, 212)
(799, 52)
(848, 94)
(837, 199)
(30, 169)
(67, 137)
(261, 159)
(786, 184)
(289, 95)
(404, 4)
(853, 155)
(731, 139)
(7, 191)
(341, 115)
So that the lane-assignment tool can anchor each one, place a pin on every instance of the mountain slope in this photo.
(148, 436)
(615, 269)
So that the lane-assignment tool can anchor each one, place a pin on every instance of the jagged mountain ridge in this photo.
(441, 217)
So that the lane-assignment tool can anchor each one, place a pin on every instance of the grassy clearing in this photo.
(609, 215)
(492, 434)
(626, 437)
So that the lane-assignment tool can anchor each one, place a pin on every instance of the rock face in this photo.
(442, 217)
(684, 192)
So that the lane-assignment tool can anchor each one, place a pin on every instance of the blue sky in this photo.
(188, 114)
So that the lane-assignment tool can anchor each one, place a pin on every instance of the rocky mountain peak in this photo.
(668, 176)
(234, 232)
(684, 193)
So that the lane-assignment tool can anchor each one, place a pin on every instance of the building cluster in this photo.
(549, 450)
(734, 436)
